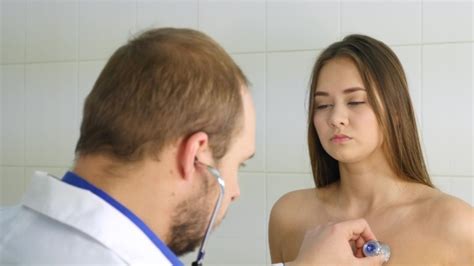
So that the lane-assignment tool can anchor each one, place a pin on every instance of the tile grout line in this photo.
(265, 201)
(340, 19)
(76, 110)
(24, 94)
(243, 53)
(421, 71)
(198, 14)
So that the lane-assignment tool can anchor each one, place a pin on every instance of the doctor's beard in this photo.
(191, 218)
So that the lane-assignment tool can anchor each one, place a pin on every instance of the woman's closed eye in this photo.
(323, 106)
(355, 103)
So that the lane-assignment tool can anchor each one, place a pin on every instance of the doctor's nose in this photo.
(235, 194)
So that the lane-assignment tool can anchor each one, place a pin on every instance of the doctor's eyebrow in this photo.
(248, 158)
(346, 91)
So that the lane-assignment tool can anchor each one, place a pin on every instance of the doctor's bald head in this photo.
(163, 85)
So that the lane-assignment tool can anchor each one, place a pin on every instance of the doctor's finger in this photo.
(355, 229)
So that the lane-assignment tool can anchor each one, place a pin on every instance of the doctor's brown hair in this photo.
(163, 85)
(387, 92)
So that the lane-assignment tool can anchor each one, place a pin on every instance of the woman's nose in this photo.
(338, 116)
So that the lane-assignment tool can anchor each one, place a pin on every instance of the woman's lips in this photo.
(340, 138)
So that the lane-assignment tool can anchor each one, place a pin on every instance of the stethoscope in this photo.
(220, 181)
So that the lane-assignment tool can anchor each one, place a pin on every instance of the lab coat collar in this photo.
(92, 215)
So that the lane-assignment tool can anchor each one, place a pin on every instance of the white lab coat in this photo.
(60, 224)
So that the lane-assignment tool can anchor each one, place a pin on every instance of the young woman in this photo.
(367, 163)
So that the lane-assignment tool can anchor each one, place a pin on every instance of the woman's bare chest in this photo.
(411, 240)
(412, 246)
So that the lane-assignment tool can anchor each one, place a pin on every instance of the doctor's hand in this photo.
(331, 245)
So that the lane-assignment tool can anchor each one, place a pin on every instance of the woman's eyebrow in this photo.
(346, 91)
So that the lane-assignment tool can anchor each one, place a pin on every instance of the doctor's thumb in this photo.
(371, 261)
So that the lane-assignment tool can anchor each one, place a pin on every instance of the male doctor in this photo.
(165, 128)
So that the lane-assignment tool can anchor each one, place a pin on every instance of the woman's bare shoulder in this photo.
(295, 196)
(442, 208)
(445, 208)
(452, 211)
(296, 203)
(289, 218)
(452, 220)
(283, 218)
(290, 204)
(297, 209)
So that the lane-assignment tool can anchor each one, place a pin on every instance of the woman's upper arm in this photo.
(277, 227)
(457, 229)
(466, 236)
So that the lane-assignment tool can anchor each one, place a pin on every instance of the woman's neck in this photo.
(368, 186)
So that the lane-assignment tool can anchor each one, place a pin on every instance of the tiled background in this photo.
(52, 51)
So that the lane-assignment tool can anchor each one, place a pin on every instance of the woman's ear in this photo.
(193, 148)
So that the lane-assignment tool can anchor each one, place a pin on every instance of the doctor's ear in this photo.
(195, 147)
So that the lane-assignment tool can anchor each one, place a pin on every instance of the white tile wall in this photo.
(239, 26)
(51, 97)
(287, 88)
(167, 13)
(13, 21)
(447, 21)
(253, 65)
(1, 116)
(13, 115)
(51, 30)
(104, 26)
(237, 251)
(11, 185)
(447, 107)
(248, 211)
(314, 24)
(88, 73)
(53, 51)
(394, 22)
